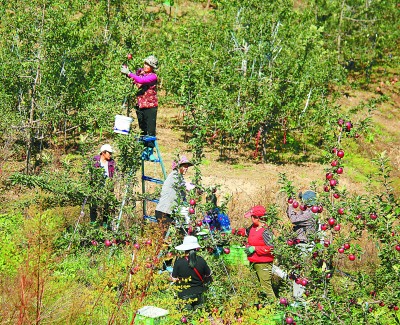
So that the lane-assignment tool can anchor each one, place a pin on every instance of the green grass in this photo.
(357, 166)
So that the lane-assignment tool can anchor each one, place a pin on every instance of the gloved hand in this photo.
(249, 250)
(125, 70)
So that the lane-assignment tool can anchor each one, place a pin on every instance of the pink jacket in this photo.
(147, 92)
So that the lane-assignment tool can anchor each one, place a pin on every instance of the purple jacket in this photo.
(147, 92)
(111, 165)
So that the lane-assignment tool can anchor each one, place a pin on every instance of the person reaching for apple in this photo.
(259, 249)
(147, 102)
(173, 194)
(305, 226)
(303, 220)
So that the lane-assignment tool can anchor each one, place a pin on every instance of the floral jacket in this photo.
(147, 92)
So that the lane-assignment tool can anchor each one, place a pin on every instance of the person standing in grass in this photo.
(173, 192)
(259, 249)
(305, 226)
(145, 80)
(105, 161)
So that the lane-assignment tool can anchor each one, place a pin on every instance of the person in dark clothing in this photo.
(105, 161)
(191, 272)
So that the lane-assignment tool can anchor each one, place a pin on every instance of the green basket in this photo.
(237, 256)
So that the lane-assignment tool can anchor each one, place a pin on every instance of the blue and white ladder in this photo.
(146, 178)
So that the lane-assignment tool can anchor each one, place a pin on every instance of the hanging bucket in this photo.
(122, 124)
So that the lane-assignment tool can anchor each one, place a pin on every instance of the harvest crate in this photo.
(236, 256)
(150, 315)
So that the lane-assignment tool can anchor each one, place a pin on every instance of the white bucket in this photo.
(122, 124)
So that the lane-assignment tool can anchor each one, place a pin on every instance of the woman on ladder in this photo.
(147, 102)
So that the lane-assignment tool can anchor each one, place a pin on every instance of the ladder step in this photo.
(157, 160)
(147, 138)
(151, 179)
(150, 218)
(152, 200)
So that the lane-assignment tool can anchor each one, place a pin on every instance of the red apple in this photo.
(295, 204)
(199, 223)
(326, 188)
(381, 304)
(290, 242)
(314, 209)
(304, 282)
(320, 209)
(192, 202)
(334, 163)
(327, 243)
(341, 250)
(340, 153)
(324, 226)
(134, 270)
(331, 221)
(169, 254)
(289, 320)
(346, 246)
(352, 257)
(349, 126)
(148, 242)
(107, 243)
(94, 242)
(303, 207)
(340, 122)
(332, 182)
(184, 319)
(329, 176)
(358, 216)
(336, 195)
(227, 250)
(339, 170)
(337, 227)
(129, 56)
(373, 216)
(396, 308)
(334, 150)
(283, 301)
(136, 245)
(290, 200)
(397, 248)
(340, 210)
(191, 210)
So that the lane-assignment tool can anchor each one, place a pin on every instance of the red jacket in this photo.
(263, 252)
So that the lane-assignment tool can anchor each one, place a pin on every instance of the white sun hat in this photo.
(106, 147)
(189, 243)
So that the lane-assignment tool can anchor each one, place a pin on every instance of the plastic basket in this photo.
(237, 256)
(150, 315)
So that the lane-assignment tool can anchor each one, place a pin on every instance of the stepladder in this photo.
(153, 174)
